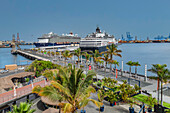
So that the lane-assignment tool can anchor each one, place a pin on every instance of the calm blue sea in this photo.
(7, 58)
(148, 53)
(151, 53)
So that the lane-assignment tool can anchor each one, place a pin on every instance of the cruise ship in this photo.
(52, 39)
(97, 41)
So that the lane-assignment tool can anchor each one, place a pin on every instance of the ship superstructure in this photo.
(52, 39)
(97, 41)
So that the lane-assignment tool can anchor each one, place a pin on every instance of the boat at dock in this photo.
(52, 39)
(97, 41)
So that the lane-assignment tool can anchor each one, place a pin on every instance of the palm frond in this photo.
(68, 108)
(61, 89)
(37, 89)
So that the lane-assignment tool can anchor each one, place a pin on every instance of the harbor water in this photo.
(7, 58)
(147, 53)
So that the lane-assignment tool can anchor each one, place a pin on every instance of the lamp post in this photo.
(122, 68)
(145, 72)
(33, 41)
(53, 46)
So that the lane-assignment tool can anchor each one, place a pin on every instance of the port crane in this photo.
(162, 37)
(129, 38)
(123, 39)
(15, 44)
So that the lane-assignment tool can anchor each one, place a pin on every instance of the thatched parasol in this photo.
(51, 110)
(6, 82)
(49, 102)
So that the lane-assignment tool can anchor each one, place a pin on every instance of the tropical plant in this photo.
(24, 107)
(130, 64)
(42, 51)
(167, 111)
(106, 59)
(49, 53)
(57, 53)
(45, 52)
(126, 91)
(99, 83)
(40, 66)
(115, 63)
(96, 56)
(51, 75)
(136, 64)
(112, 96)
(52, 53)
(78, 53)
(151, 101)
(33, 49)
(101, 95)
(100, 62)
(131, 101)
(27, 79)
(110, 83)
(112, 50)
(66, 54)
(162, 76)
(87, 56)
(74, 90)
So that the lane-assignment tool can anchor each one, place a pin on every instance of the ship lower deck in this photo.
(101, 48)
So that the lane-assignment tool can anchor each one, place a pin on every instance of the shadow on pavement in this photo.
(40, 106)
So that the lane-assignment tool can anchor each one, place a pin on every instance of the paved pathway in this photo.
(90, 108)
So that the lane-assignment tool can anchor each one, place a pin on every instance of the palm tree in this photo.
(87, 59)
(130, 64)
(136, 64)
(162, 76)
(49, 53)
(101, 95)
(115, 62)
(74, 89)
(151, 101)
(100, 62)
(106, 59)
(66, 54)
(112, 50)
(52, 53)
(78, 52)
(24, 107)
(95, 56)
(42, 52)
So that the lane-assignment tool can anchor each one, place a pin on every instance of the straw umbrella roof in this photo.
(6, 82)
(20, 75)
(51, 110)
(49, 102)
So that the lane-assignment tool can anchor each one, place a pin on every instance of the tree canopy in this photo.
(39, 66)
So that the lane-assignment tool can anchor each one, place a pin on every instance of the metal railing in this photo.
(17, 93)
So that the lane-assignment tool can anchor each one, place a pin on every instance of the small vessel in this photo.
(52, 39)
(97, 41)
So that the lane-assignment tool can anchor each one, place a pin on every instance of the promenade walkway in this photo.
(149, 85)
(33, 55)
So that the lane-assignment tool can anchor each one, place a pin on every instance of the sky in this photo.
(32, 18)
